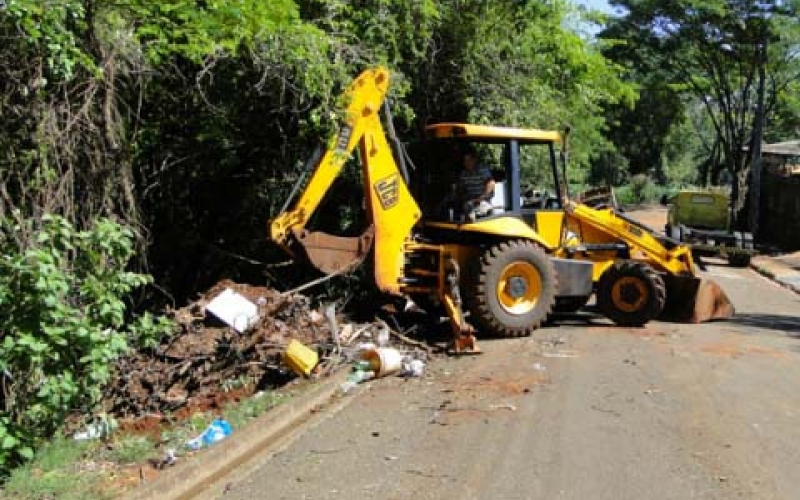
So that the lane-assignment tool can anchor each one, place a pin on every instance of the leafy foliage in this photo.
(190, 121)
(64, 325)
(716, 52)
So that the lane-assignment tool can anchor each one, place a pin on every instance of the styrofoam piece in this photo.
(233, 309)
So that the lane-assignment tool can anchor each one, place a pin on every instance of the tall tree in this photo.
(715, 50)
(518, 64)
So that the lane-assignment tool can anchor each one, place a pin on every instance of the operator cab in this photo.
(524, 164)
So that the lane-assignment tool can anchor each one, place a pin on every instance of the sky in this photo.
(601, 5)
(596, 5)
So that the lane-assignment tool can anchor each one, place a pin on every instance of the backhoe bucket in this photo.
(332, 254)
(695, 300)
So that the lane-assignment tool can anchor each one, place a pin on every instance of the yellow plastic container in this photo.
(300, 358)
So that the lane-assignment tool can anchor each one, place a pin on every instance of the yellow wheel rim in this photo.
(630, 294)
(519, 287)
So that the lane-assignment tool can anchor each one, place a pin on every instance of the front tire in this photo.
(631, 293)
(514, 290)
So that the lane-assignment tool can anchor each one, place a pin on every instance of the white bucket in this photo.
(384, 360)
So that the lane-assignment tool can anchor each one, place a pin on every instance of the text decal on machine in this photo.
(344, 139)
(386, 189)
(635, 231)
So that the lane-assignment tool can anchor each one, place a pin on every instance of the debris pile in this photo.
(217, 355)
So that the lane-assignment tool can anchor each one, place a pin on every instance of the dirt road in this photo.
(580, 410)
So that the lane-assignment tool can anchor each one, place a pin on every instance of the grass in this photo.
(66, 469)
(249, 409)
(56, 472)
(131, 449)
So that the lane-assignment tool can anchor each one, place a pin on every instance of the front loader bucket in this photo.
(695, 300)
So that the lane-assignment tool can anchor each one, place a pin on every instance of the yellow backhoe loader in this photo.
(534, 253)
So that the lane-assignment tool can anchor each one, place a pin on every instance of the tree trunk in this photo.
(755, 149)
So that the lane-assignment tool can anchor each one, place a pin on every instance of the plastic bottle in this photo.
(362, 365)
(218, 430)
(359, 376)
(355, 378)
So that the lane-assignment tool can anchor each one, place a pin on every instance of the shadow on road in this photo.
(787, 324)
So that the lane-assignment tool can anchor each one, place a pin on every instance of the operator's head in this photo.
(470, 157)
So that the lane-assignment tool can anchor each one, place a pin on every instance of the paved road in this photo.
(582, 410)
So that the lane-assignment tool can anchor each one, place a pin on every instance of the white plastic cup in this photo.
(384, 360)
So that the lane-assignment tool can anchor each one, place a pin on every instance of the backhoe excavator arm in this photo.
(391, 209)
(366, 96)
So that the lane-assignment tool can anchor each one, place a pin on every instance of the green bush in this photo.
(641, 189)
(64, 324)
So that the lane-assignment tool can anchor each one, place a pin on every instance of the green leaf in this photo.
(9, 442)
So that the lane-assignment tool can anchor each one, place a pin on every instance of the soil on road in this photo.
(582, 409)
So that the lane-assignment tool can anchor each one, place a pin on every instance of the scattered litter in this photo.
(100, 429)
(234, 310)
(506, 406)
(168, 460)
(346, 333)
(365, 346)
(315, 317)
(382, 338)
(553, 342)
(350, 334)
(413, 367)
(356, 377)
(169, 457)
(330, 315)
(561, 354)
(362, 365)
(300, 358)
(412, 307)
(93, 431)
(384, 360)
(216, 431)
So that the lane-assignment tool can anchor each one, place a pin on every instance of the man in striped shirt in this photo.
(476, 186)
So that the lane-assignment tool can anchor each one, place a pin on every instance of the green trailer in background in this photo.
(702, 219)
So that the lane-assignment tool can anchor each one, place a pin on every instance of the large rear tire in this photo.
(513, 291)
(631, 293)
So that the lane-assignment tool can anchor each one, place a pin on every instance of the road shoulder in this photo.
(193, 476)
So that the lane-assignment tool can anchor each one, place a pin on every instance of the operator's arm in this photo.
(488, 185)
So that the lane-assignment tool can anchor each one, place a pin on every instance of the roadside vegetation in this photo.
(104, 468)
(144, 144)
